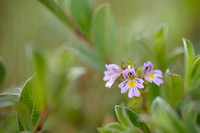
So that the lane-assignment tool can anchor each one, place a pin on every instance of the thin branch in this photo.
(42, 117)
(79, 33)
(144, 104)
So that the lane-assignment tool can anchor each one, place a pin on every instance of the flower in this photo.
(132, 83)
(152, 75)
(112, 74)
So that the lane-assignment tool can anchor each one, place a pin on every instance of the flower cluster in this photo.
(131, 82)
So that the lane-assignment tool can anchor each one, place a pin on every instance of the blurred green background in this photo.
(89, 104)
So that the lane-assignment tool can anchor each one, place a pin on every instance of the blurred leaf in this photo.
(115, 127)
(173, 56)
(88, 56)
(27, 111)
(103, 32)
(82, 13)
(9, 97)
(154, 92)
(40, 67)
(63, 4)
(174, 91)
(54, 7)
(159, 43)
(189, 56)
(195, 82)
(165, 118)
(129, 118)
(8, 122)
(188, 111)
(104, 130)
(196, 66)
(2, 72)
(61, 59)
(112, 127)
(57, 74)
(15, 91)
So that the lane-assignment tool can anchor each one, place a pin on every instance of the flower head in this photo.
(152, 75)
(132, 83)
(112, 73)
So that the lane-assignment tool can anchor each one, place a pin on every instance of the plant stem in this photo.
(82, 36)
(78, 32)
(42, 117)
(144, 105)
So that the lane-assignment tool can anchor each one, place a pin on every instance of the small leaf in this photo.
(27, 112)
(174, 91)
(103, 32)
(129, 118)
(88, 56)
(82, 13)
(115, 127)
(9, 97)
(54, 7)
(196, 66)
(189, 56)
(165, 118)
(159, 43)
(2, 72)
(112, 127)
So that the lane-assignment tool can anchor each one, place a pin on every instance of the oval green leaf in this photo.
(103, 32)
(127, 117)
(165, 118)
(175, 88)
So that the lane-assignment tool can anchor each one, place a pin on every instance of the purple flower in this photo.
(152, 75)
(111, 74)
(132, 83)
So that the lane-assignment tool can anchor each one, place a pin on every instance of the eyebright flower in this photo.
(152, 75)
(132, 83)
(112, 74)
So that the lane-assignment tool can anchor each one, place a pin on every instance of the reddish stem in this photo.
(42, 117)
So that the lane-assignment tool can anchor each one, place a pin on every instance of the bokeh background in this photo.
(89, 104)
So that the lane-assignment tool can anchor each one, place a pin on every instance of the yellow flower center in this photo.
(152, 76)
(132, 83)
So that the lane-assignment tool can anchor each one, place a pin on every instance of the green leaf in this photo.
(159, 43)
(9, 97)
(103, 32)
(115, 127)
(173, 56)
(2, 72)
(118, 128)
(82, 13)
(129, 118)
(64, 4)
(57, 80)
(189, 56)
(40, 68)
(112, 127)
(196, 66)
(195, 82)
(174, 90)
(27, 111)
(86, 55)
(165, 118)
(54, 7)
